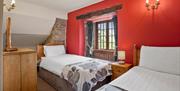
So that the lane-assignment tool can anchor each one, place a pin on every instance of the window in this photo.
(105, 38)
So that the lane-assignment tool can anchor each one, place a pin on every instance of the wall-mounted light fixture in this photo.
(152, 6)
(9, 4)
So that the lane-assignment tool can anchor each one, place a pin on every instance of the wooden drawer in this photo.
(116, 75)
(118, 70)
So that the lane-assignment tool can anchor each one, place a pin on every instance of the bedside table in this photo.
(119, 69)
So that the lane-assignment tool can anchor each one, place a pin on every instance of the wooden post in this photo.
(8, 36)
(8, 33)
(136, 55)
(1, 46)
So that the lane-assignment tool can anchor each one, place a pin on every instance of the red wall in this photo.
(136, 25)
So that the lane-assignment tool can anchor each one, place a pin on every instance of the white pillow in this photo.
(51, 51)
(163, 59)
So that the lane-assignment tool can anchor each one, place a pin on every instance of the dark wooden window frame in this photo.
(107, 35)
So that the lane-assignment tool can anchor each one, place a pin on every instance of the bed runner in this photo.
(85, 75)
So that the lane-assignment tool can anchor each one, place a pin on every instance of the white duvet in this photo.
(142, 79)
(57, 63)
(82, 72)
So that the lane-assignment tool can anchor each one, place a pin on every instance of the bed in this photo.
(155, 69)
(67, 72)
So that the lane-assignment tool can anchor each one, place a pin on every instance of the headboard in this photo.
(40, 48)
(136, 55)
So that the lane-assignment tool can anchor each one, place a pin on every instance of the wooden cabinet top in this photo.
(20, 51)
(122, 65)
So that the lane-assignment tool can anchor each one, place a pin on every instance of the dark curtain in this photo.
(89, 38)
(115, 21)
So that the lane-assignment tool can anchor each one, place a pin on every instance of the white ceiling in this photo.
(63, 5)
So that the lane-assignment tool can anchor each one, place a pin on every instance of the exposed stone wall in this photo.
(58, 33)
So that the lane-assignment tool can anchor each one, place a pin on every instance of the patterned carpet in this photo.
(43, 86)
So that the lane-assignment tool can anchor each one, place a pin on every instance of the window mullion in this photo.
(103, 35)
(100, 35)
(96, 36)
(107, 35)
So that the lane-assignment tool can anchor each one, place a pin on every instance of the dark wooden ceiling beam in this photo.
(100, 12)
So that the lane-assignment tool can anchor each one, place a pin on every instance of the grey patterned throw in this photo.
(85, 75)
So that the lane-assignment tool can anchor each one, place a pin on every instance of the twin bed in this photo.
(155, 69)
(67, 72)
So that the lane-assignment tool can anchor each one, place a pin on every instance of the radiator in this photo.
(104, 54)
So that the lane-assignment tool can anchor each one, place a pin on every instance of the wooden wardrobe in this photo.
(20, 72)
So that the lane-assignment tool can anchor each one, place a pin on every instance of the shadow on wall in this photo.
(25, 40)
(28, 31)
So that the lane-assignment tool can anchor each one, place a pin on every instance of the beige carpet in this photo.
(43, 86)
